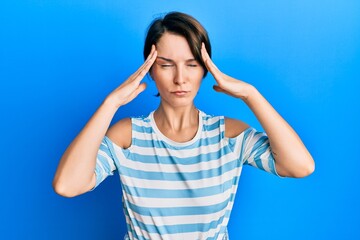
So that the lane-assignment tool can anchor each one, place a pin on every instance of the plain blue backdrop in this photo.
(60, 59)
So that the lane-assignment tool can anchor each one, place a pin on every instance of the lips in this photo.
(180, 93)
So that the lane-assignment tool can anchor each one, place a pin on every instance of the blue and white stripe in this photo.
(181, 190)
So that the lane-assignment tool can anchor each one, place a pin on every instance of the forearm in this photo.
(76, 168)
(292, 157)
(75, 173)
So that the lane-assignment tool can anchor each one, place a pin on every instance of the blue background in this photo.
(60, 59)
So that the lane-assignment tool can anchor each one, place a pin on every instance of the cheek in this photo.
(201, 73)
(159, 78)
(197, 72)
(198, 75)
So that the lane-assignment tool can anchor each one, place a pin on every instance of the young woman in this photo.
(179, 167)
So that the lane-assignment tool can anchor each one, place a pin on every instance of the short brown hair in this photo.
(181, 24)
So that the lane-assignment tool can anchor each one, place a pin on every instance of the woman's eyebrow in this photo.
(170, 60)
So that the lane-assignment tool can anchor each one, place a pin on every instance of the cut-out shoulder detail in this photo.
(120, 133)
(234, 127)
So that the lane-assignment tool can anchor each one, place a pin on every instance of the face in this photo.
(176, 72)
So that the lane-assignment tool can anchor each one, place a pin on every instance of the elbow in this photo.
(62, 190)
(306, 170)
(72, 187)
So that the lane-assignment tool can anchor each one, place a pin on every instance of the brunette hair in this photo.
(181, 24)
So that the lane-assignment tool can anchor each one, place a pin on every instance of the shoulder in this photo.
(120, 133)
(234, 127)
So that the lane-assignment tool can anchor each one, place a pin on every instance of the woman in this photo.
(179, 167)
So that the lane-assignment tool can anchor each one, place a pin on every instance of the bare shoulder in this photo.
(234, 127)
(120, 133)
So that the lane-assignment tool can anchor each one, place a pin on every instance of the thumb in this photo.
(217, 88)
(141, 87)
(136, 92)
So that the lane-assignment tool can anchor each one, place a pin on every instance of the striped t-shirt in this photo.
(181, 191)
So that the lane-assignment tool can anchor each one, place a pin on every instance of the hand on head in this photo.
(132, 87)
(225, 83)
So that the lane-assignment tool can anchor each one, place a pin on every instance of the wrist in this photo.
(248, 92)
(108, 103)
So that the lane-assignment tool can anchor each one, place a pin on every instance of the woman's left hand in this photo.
(225, 83)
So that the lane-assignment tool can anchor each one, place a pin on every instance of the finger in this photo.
(147, 64)
(151, 55)
(219, 89)
(209, 63)
(204, 54)
(153, 49)
(150, 60)
(136, 92)
(147, 59)
(146, 67)
(208, 60)
(140, 88)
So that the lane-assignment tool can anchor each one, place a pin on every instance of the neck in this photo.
(178, 118)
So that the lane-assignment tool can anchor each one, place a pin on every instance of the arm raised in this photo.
(292, 159)
(75, 173)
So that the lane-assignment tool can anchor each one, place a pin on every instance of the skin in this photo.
(177, 118)
(75, 172)
(292, 159)
(178, 78)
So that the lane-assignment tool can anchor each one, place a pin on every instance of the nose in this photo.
(180, 76)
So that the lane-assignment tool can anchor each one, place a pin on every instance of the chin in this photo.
(179, 102)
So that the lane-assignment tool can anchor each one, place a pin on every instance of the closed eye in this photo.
(166, 65)
(170, 65)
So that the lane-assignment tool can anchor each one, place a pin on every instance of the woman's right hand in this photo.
(132, 87)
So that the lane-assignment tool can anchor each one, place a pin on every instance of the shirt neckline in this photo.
(172, 142)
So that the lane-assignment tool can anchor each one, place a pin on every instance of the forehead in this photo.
(173, 46)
